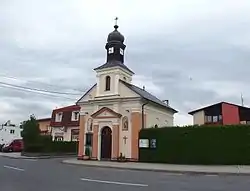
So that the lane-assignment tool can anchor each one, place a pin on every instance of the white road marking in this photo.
(14, 168)
(211, 175)
(31, 160)
(174, 174)
(112, 182)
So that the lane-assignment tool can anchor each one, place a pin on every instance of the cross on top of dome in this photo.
(115, 35)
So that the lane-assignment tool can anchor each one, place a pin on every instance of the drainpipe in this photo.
(142, 112)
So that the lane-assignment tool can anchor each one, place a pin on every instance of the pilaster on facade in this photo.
(81, 136)
(95, 142)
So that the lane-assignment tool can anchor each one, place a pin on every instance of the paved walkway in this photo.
(196, 169)
(13, 155)
(18, 155)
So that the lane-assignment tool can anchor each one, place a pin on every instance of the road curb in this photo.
(187, 172)
(18, 157)
(26, 157)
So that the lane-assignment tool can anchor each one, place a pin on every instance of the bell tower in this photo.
(114, 46)
(109, 74)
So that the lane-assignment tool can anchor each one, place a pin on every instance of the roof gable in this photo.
(87, 93)
(148, 96)
(43, 119)
(106, 112)
(67, 108)
(126, 92)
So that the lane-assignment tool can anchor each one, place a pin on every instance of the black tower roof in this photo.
(115, 35)
(115, 51)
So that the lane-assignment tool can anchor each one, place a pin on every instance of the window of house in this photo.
(74, 134)
(107, 87)
(215, 118)
(208, 118)
(75, 116)
(59, 117)
(12, 131)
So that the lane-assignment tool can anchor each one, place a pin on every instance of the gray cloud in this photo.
(193, 53)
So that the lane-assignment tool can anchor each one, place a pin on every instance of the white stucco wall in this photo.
(102, 83)
(125, 109)
(115, 74)
(6, 136)
(66, 135)
(199, 118)
(126, 92)
(158, 116)
(125, 148)
(90, 95)
(123, 106)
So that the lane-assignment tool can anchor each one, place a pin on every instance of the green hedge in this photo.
(46, 145)
(198, 145)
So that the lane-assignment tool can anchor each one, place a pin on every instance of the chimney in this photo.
(143, 88)
(166, 101)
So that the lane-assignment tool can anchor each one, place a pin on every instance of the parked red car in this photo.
(14, 146)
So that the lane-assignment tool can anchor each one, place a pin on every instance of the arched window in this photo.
(107, 88)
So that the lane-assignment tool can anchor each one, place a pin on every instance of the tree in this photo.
(31, 131)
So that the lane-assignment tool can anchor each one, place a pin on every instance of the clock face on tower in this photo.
(111, 50)
(121, 51)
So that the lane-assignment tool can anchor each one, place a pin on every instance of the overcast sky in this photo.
(192, 52)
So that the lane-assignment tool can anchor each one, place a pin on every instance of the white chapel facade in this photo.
(111, 110)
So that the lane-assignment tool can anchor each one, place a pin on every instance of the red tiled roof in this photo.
(43, 119)
(66, 117)
(68, 108)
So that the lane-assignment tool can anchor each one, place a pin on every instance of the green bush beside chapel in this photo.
(34, 142)
(227, 145)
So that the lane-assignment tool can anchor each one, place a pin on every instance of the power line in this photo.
(36, 89)
(32, 81)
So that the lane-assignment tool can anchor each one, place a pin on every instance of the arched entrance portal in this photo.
(106, 143)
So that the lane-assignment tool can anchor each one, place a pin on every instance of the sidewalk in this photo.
(15, 155)
(19, 156)
(170, 168)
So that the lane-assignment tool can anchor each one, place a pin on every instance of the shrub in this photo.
(36, 143)
(198, 145)
(31, 131)
(53, 147)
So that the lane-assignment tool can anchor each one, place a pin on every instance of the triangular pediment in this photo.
(89, 95)
(106, 112)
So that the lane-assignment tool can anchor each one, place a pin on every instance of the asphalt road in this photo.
(51, 175)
